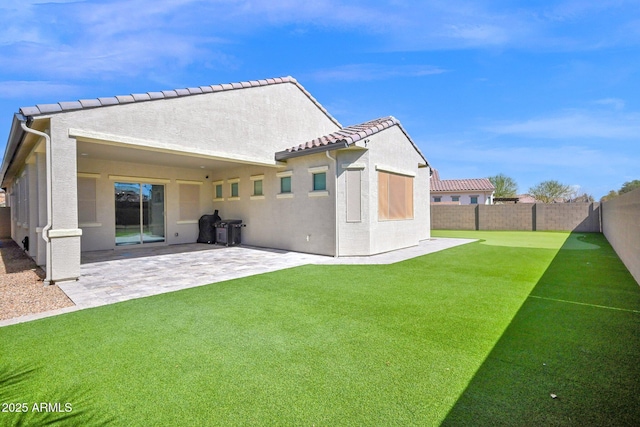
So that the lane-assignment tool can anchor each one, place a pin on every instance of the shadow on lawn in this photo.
(570, 354)
(21, 408)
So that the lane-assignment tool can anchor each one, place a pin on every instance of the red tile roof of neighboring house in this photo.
(526, 198)
(479, 184)
(449, 185)
(347, 136)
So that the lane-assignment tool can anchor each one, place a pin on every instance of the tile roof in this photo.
(347, 136)
(82, 104)
(475, 184)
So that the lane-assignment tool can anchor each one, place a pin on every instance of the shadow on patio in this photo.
(137, 251)
(570, 356)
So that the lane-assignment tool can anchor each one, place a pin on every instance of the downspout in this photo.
(47, 227)
(335, 164)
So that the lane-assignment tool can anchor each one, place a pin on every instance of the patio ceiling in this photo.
(119, 153)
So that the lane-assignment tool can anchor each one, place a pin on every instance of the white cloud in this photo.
(28, 89)
(85, 39)
(573, 124)
(615, 103)
(368, 72)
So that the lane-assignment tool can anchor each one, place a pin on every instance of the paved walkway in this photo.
(113, 276)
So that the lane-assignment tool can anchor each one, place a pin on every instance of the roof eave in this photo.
(16, 136)
(284, 155)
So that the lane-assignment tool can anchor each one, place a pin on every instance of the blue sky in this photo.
(536, 90)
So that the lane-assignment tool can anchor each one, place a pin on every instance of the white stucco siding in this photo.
(300, 222)
(355, 237)
(390, 150)
(251, 123)
(64, 233)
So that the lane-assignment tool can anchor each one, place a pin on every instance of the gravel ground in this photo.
(21, 289)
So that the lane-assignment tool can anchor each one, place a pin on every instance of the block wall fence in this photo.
(584, 217)
(621, 227)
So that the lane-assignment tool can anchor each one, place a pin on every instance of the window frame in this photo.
(234, 188)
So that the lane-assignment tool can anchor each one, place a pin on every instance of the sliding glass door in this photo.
(139, 213)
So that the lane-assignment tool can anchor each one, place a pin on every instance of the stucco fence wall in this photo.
(621, 226)
(5, 223)
(584, 217)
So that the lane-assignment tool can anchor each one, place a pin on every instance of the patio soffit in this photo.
(93, 145)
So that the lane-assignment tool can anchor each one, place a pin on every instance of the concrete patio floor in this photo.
(113, 276)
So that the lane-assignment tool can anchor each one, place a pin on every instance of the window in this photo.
(218, 191)
(285, 184)
(234, 188)
(474, 200)
(455, 198)
(320, 181)
(258, 190)
(257, 187)
(395, 196)
(87, 211)
(189, 202)
(437, 199)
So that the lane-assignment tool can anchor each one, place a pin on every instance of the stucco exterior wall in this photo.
(390, 150)
(621, 226)
(302, 221)
(355, 237)
(250, 124)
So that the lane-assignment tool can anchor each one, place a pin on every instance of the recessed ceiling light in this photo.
(201, 167)
(84, 154)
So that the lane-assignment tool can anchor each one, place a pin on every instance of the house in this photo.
(141, 169)
(461, 191)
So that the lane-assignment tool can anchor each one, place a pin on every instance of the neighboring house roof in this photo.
(345, 137)
(41, 109)
(526, 198)
(453, 185)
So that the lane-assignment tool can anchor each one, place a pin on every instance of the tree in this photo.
(610, 195)
(629, 186)
(583, 198)
(549, 191)
(505, 186)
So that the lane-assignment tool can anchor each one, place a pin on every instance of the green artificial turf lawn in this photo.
(480, 334)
